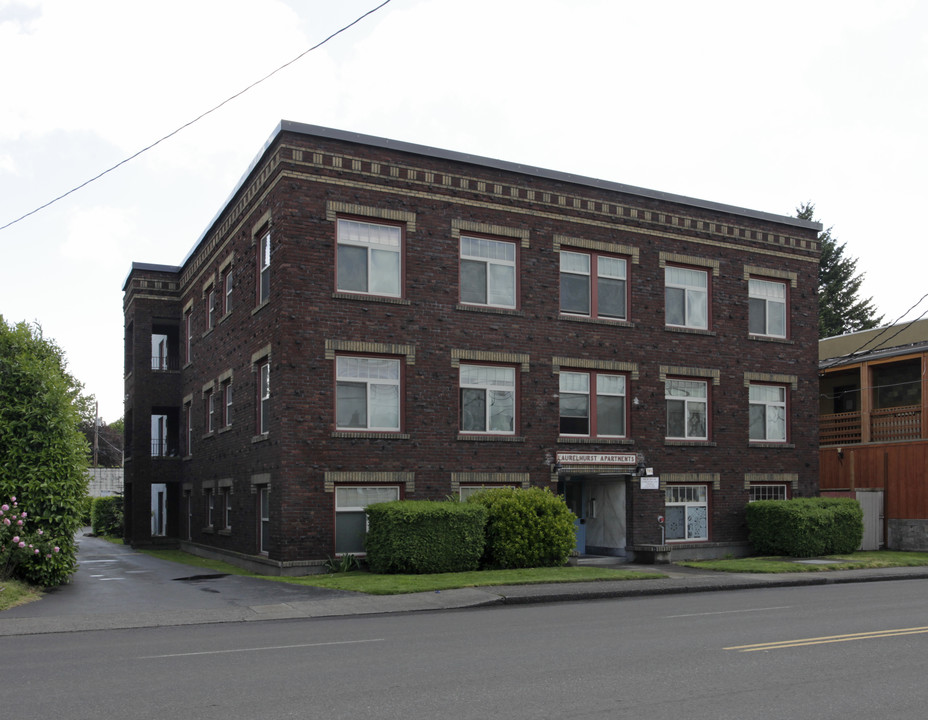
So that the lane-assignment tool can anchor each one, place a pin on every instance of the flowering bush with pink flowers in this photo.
(19, 544)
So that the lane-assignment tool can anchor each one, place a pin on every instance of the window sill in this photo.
(565, 440)
(767, 338)
(490, 438)
(341, 295)
(206, 436)
(689, 443)
(372, 434)
(689, 331)
(207, 332)
(225, 532)
(224, 429)
(490, 309)
(224, 317)
(260, 307)
(771, 445)
(612, 322)
(260, 438)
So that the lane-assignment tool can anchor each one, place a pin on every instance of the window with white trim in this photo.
(188, 429)
(225, 496)
(775, 491)
(488, 272)
(264, 268)
(264, 519)
(210, 508)
(488, 399)
(367, 393)
(687, 409)
(593, 285)
(226, 393)
(767, 308)
(210, 403)
(767, 413)
(686, 510)
(592, 404)
(264, 397)
(350, 518)
(369, 258)
(227, 292)
(211, 308)
(686, 297)
(188, 335)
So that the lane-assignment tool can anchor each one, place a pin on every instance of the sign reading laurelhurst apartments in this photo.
(597, 458)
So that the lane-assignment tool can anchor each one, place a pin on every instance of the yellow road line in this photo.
(829, 639)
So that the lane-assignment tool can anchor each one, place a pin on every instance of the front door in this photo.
(605, 518)
(573, 496)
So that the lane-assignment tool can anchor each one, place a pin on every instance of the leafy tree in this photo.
(43, 455)
(109, 442)
(840, 309)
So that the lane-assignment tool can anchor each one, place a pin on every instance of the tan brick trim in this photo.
(227, 263)
(363, 477)
(762, 272)
(209, 283)
(356, 346)
(227, 375)
(522, 480)
(261, 227)
(587, 244)
(713, 479)
(753, 377)
(264, 352)
(679, 371)
(208, 387)
(260, 480)
(188, 307)
(521, 359)
(791, 479)
(457, 226)
(678, 259)
(586, 363)
(334, 208)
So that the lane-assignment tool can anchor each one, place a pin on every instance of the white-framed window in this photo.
(369, 258)
(488, 399)
(686, 508)
(686, 297)
(687, 409)
(225, 495)
(772, 491)
(593, 285)
(188, 429)
(226, 388)
(227, 292)
(767, 413)
(264, 519)
(592, 404)
(264, 397)
(767, 308)
(350, 518)
(188, 335)
(210, 508)
(488, 272)
(367, 393)
(211, 308)
(264, 268)
(210, 411)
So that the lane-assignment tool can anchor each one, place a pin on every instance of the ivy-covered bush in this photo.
(43, 455)
(106, 515)
(529, 527)
(420, 536)
(805, 527)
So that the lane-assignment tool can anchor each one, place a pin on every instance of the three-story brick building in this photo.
(368, 319)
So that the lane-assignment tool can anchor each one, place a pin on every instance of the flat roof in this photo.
(886, 341)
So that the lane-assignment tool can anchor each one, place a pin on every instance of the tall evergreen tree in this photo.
(840, 309)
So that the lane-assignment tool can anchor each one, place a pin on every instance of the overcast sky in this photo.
(759, 105)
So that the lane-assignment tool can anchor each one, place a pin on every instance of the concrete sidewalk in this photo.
(255, 599)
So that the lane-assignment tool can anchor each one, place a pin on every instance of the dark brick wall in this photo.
(304, 312)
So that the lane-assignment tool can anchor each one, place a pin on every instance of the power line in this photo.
(195, 120)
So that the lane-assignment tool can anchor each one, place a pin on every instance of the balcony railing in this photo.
(886, 425)
(164, 363)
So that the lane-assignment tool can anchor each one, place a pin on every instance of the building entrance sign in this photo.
(597, 459)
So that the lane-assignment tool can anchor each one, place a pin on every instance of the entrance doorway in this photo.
(598, 501)
(159, 492)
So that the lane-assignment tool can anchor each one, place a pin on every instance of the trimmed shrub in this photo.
(86, 509)
(106, 515)
(530, 527)
(421, 536)
(805, 527)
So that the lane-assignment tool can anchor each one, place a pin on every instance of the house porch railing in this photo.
(886, 425)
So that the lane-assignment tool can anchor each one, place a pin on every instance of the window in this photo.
(211, 308)
(210, 402)
(227, 292)
(600, 413)
(767, 308)
(350, 518)
(226, 390)
(159, 435)
(593, 293)
(188, 429)
(687, 409)
(188, 335)
(264, 519)
(369, 258)
(264, 397)
(210, 508)
(264, 268)
(488, 272)
(767, 418)
(767, 492)
(687, 512)
(367, 393)
(488, 399)
(225, 503)
(686, 297)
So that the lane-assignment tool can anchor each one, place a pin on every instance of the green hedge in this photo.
(526, 528)
(420, 536)
(805, 527)
(106, 515)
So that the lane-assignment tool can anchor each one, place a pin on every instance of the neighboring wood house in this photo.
(874, 426)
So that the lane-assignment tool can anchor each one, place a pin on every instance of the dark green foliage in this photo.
(419, 536)
(86, 509)
(840, 309)
(805, 527)
(43, 455)
(106, 516)
(526, 528)
(342, 564)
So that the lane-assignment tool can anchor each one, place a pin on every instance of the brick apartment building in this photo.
(368, 319)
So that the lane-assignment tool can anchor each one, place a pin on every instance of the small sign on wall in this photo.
(650, 482)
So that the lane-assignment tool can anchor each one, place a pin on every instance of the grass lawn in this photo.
(852, 561)
(14, 592)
